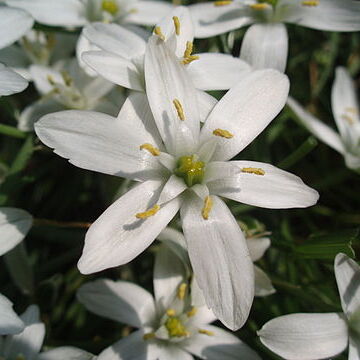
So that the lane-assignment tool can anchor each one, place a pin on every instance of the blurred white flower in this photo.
(10, 81)
(121, 55)
(346, 113)
(27, 344)
(265, 44)
(321, 336)
(169, 327)
(66, 86)
(181, 167)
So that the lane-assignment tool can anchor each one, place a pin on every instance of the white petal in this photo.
(65, 352)
(305, 336)
(265, 46)
(345, 107)
(115, 39)
(173, 352)
(316, 127)
(117, 236)
(10, 81)
(40, 75)
(131, 347)
(276, 189)
(83, 45)
(15, 57)
(222, 345)
(330, 15)
(203, 315)
(14, 23)
(99, 142)
(214, 71)
(121, 301)
(115, 69)
(54, 12)
(96, 89)
(14, 225)
(263, 285)
(246, 110)
(354, 348)
(220, 260)
(149, 12)
(10, 323)
(257, 247)
(173, 188)
(210, 20)
(166, 81)
(347, 273)
(206, 104)
(169, 273)
(28, 343)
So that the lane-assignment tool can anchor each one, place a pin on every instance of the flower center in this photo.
(175, 327)
(190, 169)
(110, 6)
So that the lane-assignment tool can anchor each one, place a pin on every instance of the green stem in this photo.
(12, 131)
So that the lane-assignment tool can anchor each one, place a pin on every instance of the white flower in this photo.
(14, 225)
(181, 167)
(81, 12)
(27, 344)
(346, 113)
(320, 336)
(169, 327)
(10, 81)
(265, 44)
(121, 59)
(66, 86)
(14, 23)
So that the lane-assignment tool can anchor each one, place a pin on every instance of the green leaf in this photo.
(327, 246)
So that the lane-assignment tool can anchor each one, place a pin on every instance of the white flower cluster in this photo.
(176, 142)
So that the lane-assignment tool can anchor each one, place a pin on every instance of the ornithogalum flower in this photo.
(120, 54)
(321, 336)
(27, 344)
(346, 113)
(10, 81)
(181, 167)
(265, 44)
(168, 326)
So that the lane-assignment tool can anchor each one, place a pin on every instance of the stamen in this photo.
(208, 204)
(149, 336)
(159, 33)
(67, 78)
(223, 133)
(177, 25)
(348, 118)
(170, 312)
(188, 58)
(179, 109)
(191, 312)
(250, 170)
(151, 149)
(50, 79)
(261, 6)
(351, 110)
(310, 3)
(222, 2)
(148, 213)
(181, 291)
(206, 332)
(110, 6)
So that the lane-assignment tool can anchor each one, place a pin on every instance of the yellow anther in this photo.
(352, 110)
(50, 79)
(170, 312)
(310, 3)
(348, 118)
(222, 2)
(149, 336)
(206, 332)
(159, 33)
(191, 312)
(176, 24)
(208, 204)
(148, 213)
(133, 11)
(259, 6)
(67, 78)
(110, 6)
(179, 109)
(182, 291)
(223, 133)
(250, 170)
(188, 58)
(151, 149)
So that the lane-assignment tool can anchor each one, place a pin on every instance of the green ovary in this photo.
(110, 6)
(175, 327)
(190, 169)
